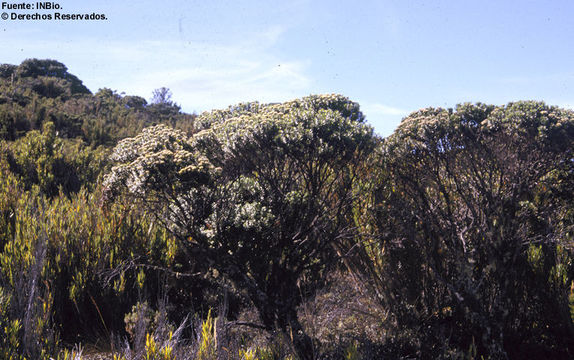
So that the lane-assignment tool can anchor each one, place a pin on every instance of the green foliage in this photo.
(261, 196)
(207, 348)
(352, 352)
(153, 352)
(59, 264)
(459, 226)
(248, 354)
(39, 91)
(69, 355)
(474, 228)
(44, 160)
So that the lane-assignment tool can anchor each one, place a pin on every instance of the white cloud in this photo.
(272, 35)
(381, 109)
(201, 76)
(208, 87)
(384, 118)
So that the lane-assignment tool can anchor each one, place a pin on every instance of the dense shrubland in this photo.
(291, 230)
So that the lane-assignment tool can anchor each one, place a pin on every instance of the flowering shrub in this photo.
(261, 192)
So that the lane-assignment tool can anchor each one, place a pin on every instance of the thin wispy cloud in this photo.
(383, 117)
(207, 77)
(381, 109)
(208, 87)
(202, 76)
(390, 56)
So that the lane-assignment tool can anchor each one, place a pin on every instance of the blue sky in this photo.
(393, 57)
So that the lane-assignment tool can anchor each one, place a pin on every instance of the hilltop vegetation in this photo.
(279, 230)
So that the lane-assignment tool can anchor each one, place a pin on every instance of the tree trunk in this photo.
(291, 327)
(278, 309)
